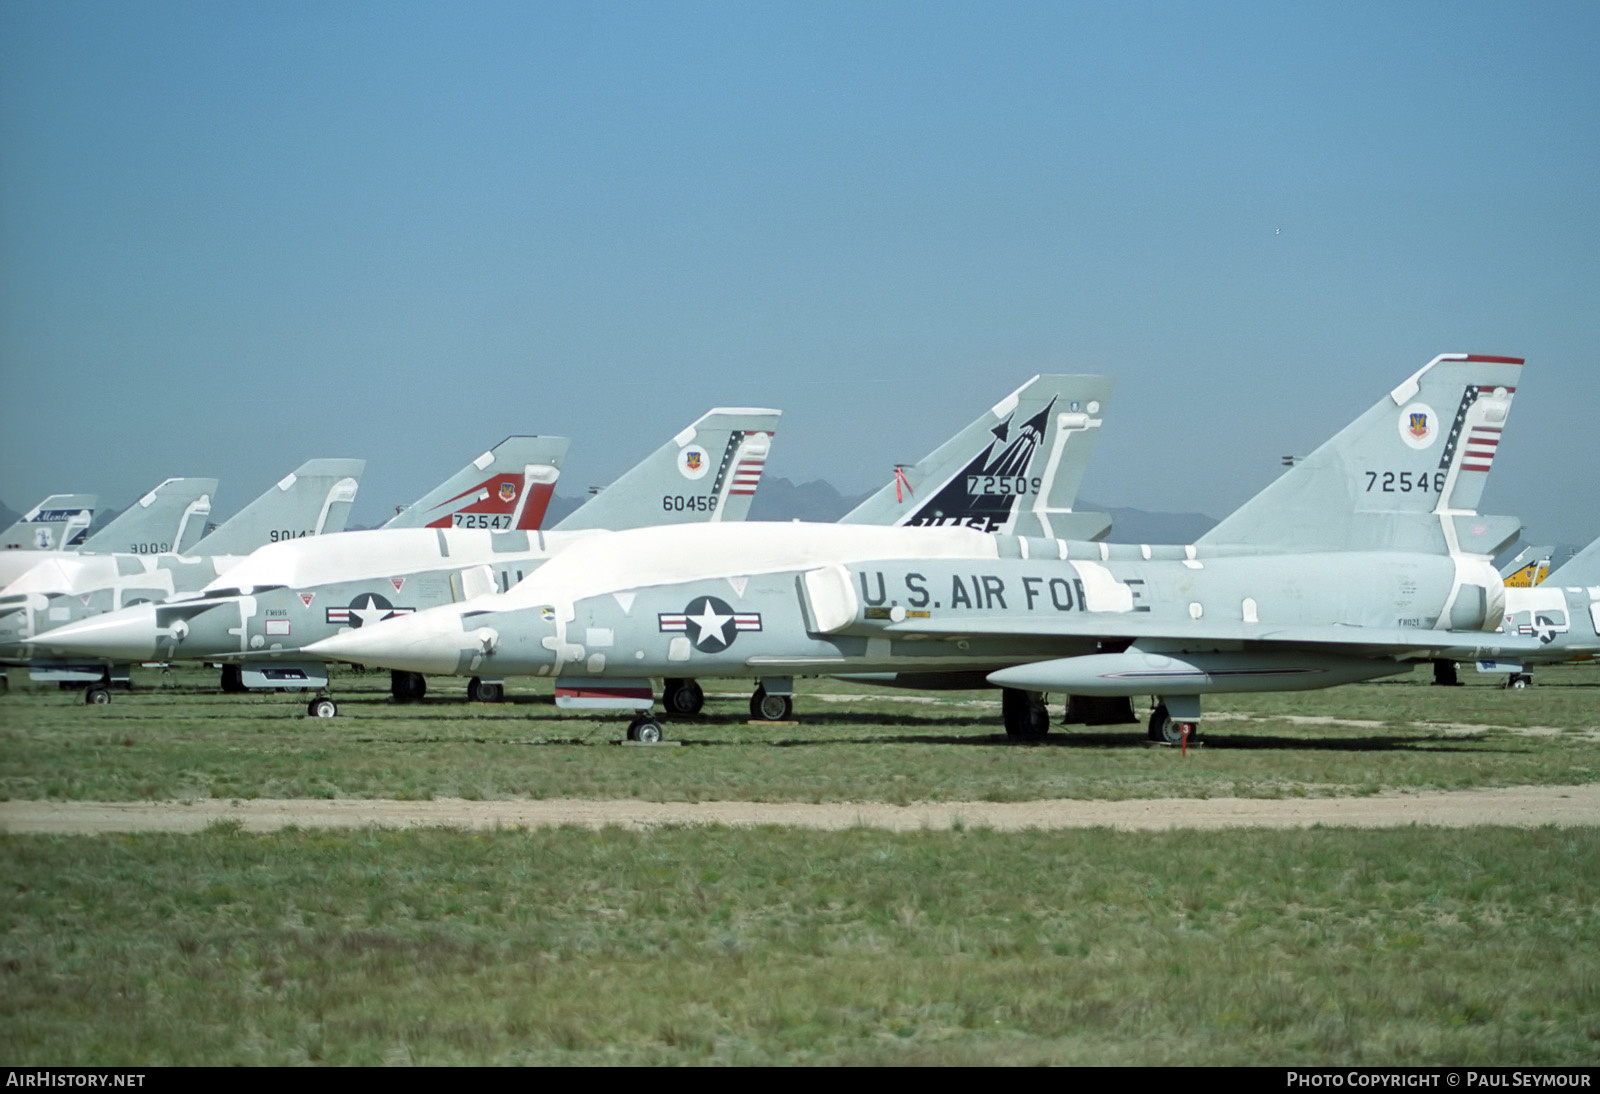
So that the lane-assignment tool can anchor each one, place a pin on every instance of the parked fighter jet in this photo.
(313, 499)
(1362, 559)
(508, 487)
(1562, 612)
(172, 517)
(58, 523)
(256, 616)
(1014, 470)
(1017, 466)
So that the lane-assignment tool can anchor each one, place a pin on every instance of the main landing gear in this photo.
(768, 707)
(682, 696)
(480, 690)
(323, 706)
(407, 687)
(1166, 729)
(1024, 713)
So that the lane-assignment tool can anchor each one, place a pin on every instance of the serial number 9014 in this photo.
(693, 503)
(1404, 482)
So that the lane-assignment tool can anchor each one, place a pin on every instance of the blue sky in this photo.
(236, 236)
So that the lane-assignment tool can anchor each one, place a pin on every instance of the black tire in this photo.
(1519, 680)
(682, 696)
(645, 731)
(491, 693)
(322, 708)
(407, 687)
(233, 680)
(97, 696)
(1024, 714)
(770, 708)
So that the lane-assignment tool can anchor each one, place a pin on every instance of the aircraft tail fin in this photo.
(172, 517)
(58, 523)
(1016, 469)
(506, 488)
(1582, 568)
(708, 472)
(1405, 475)
(312, 500)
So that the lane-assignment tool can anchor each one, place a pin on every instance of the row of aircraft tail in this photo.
(969, 568)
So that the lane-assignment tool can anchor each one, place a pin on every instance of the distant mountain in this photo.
(1138, 526)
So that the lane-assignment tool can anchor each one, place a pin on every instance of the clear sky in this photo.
(236, 236)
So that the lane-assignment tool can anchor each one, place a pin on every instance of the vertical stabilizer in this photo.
(506, 488)
(172, 517)
(1406, 475)
(312, 500)
(709, 472)
(1016, 469)
(1582, 568)
(58, 523)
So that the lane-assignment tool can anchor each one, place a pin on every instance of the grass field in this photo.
(718, 945)
(185, 740)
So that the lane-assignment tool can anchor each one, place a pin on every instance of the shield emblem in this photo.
(1419, 424)
(508, 491)
(692, 459)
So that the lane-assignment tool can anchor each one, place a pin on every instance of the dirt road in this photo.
(1532, 806)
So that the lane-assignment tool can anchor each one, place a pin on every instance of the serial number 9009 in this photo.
(693, 503)
(1001, 485)
(149, 548)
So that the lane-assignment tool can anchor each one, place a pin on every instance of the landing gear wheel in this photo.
(323, 708)
(770, 708)
(480, 692)
(682, 696)
(1519, 680)
(97, 696)
(407, 687)
(1168, 730)
(233, 680)
(645, 729)
(1024, 714)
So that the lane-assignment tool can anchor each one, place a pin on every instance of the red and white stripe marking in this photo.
(747, 476)
(1482, 441)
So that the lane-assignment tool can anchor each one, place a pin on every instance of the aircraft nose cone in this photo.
(426, 642)
(129, 634)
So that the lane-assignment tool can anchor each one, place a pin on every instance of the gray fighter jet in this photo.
(256, 616)
(313, 499)
(1361, 560)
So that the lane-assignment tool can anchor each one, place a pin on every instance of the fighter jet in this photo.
(1562, 612)
(172, 517)
(257, 616)
(313, 499)
(58, 523)
(1016, 468)
(1362, 559)
(507, 487)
